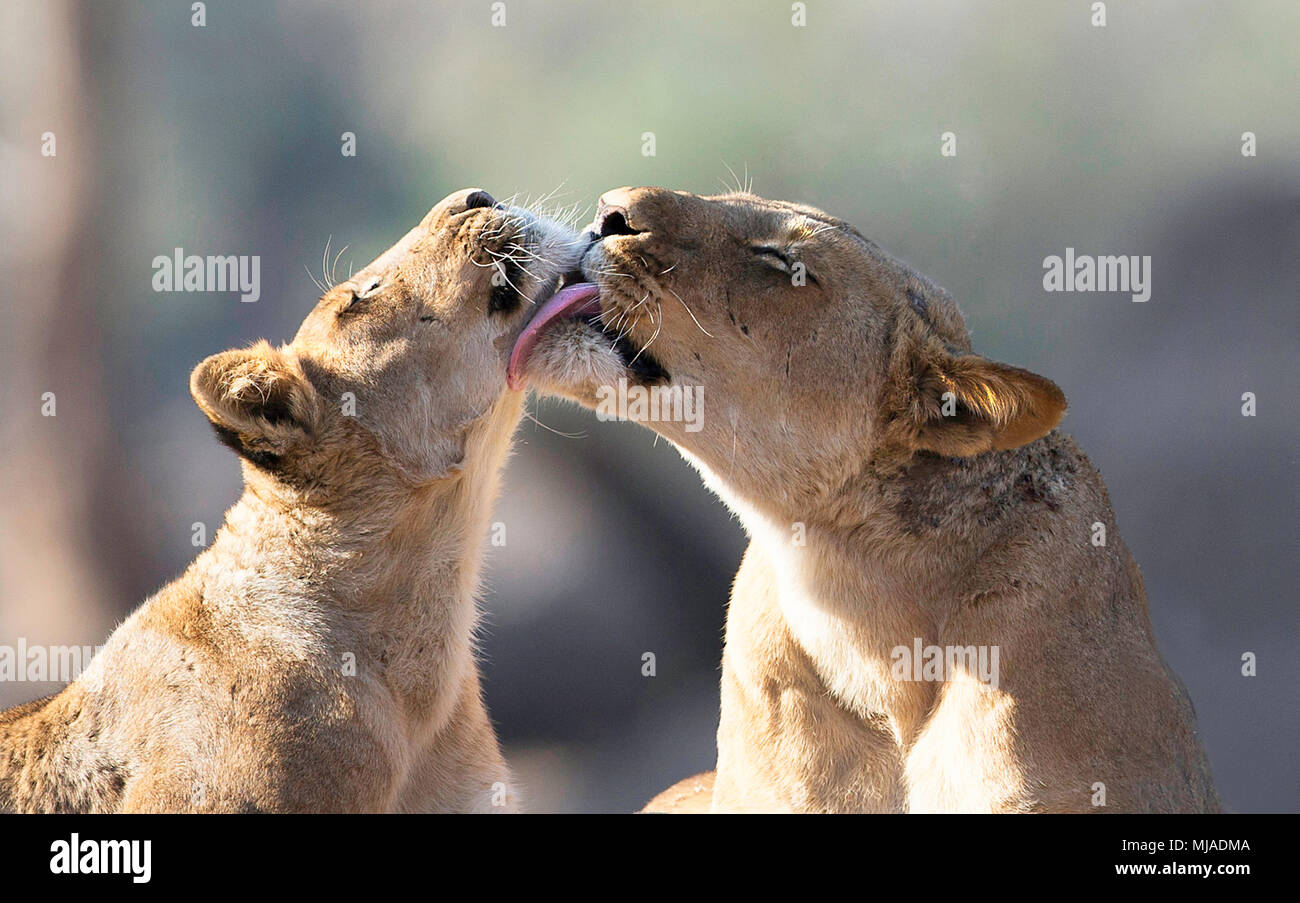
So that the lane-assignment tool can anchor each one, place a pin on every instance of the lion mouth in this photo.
(578, 300)
(573, 300)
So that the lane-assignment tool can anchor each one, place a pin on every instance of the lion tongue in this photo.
(570, 301)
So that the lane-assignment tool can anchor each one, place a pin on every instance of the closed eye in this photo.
(352, 303)
(781, 260)
(773, 255)
(355, 299)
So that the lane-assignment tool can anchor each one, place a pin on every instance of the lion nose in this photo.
(479, 198)
(469, 199)
(611, 213)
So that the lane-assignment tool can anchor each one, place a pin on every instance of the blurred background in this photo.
(227, 139)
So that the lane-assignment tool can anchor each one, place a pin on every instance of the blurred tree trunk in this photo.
(53, 585)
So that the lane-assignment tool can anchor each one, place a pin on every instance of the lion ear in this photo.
(967, 404)
(258, 400)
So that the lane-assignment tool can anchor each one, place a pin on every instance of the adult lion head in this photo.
(815, 350)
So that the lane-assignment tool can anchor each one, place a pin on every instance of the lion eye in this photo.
(773, 255)
(352, 303)
(781, 260)
(355, 297)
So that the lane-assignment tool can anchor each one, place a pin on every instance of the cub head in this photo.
(812, 353)
(399, 373)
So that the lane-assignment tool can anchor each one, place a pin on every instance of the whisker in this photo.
(692, 315)
(733, 175)
(324, 260)
(552, 429)
(315, 281)
(335, 264)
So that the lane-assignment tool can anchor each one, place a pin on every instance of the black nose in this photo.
(611, 220)
(479, 198)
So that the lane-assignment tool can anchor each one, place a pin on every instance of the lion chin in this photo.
(575, 359)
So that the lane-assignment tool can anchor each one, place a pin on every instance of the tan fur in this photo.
(825, 421)
(318, 656)
(693, 796)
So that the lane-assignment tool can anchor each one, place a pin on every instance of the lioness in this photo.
(319, 655)
(902, 494)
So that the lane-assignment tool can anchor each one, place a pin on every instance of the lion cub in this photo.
(923, 620)
(319, 655)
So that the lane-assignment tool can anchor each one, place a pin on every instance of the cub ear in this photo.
(258, 400)
(968, 404)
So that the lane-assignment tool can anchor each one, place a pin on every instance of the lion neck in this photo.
(402, 562)
(884, 564)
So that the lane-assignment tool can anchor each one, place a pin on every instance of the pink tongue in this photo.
(570, 301)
